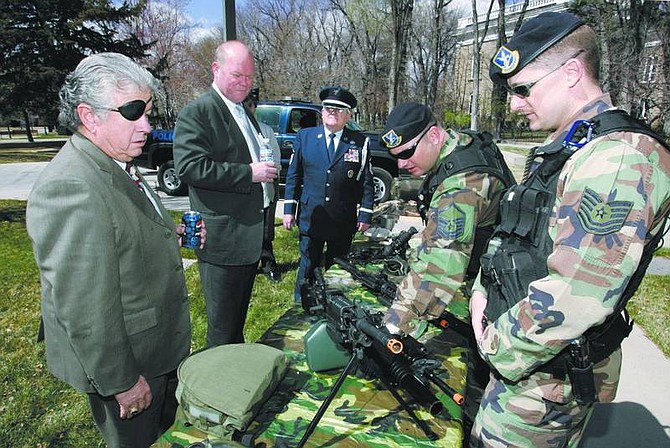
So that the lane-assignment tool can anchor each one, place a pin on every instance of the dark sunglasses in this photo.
(523, 90)
(409, 152)
(132, 110)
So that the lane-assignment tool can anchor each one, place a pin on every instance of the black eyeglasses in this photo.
(132, 110)
(409, 152)
(523, 90)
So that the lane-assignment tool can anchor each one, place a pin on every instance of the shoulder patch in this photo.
(505, 59)
(450, 223)
(599, 217)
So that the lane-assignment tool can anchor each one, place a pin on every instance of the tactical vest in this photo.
(481, 155)
(523, 241)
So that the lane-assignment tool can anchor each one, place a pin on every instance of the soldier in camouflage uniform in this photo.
(555, 271)
(463, 203)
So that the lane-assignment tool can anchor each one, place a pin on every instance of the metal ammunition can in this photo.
(193, 222)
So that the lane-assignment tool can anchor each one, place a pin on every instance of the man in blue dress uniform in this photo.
(329, 176)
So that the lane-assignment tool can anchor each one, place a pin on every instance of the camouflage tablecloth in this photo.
(363, 414)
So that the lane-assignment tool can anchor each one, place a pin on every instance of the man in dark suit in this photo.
(329, 176)
(114, 302)
(216, 153)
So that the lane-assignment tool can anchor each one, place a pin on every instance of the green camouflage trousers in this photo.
(539, 411)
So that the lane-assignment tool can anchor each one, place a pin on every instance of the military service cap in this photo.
(337, 97)
(405, 122)
(533, 38)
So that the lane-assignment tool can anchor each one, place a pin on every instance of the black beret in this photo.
(337, 97)
(533, 38)
(405, 122)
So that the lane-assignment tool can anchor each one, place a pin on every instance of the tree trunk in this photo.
(29, 132)
(402, 20)
(499, 94)
(474, 101)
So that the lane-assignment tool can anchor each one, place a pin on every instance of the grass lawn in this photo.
(37, 410)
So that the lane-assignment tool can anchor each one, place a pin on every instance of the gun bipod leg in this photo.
(353, 362)
(403, 404)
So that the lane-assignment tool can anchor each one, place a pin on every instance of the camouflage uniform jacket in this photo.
(440, 254)
(588, 268)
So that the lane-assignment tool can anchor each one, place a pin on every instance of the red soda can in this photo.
(193, 222)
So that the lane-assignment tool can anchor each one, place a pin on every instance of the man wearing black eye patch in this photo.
(114, 302)
(458, 202)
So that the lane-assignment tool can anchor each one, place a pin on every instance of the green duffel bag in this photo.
(221, 389)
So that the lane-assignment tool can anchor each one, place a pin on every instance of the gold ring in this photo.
(133, 412)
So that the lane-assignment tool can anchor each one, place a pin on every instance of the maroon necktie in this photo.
(132, 172)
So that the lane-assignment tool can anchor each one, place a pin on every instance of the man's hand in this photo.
(181, 228)
(289, 221)
(263, 172)
(134, 400)
(362, 226)
(477, 306)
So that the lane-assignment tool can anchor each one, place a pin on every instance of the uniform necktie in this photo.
(331, 145)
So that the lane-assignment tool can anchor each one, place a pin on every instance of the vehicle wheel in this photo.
(383, 183)
(168, 180)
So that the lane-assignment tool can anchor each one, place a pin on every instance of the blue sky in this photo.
(206, 13)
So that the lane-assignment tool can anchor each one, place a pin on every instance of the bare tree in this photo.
(498, 93)
(476, 61)
(401, 11)
(433, 46)
(164, 26)
(367, 25)
(631, 71)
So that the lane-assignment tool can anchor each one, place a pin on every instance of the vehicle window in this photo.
(353, 126)
(269, 115)
(303, 118)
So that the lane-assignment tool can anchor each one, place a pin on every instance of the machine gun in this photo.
(398, 245)
(397, 248)
(385, 290)
(400, 363)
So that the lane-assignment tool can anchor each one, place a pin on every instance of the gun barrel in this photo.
(385, 338)
(399, 242)
(383, 289)
(455, 396)
(419, 390)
